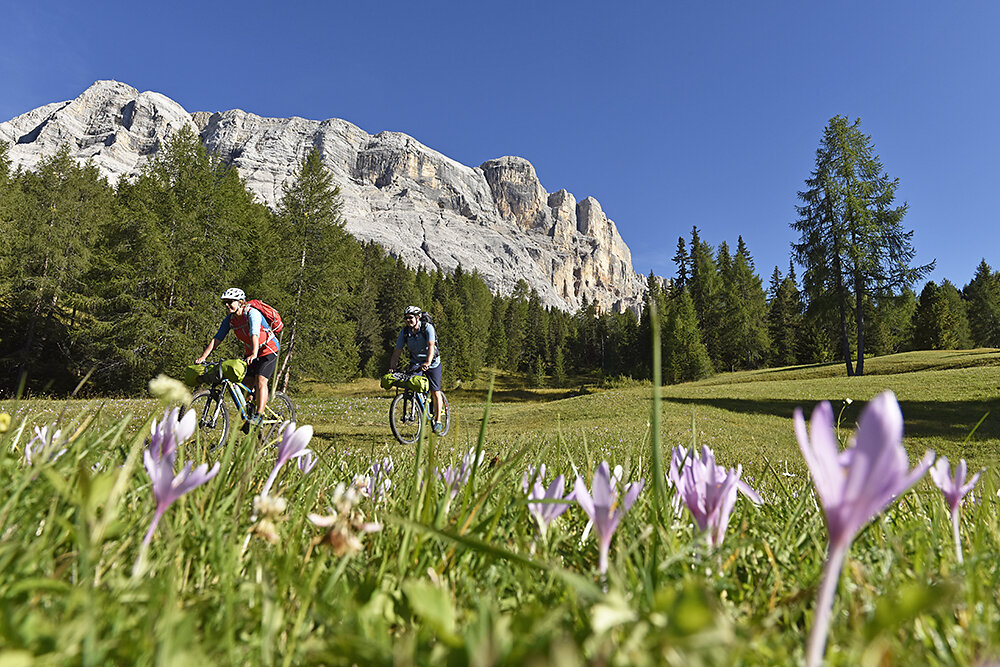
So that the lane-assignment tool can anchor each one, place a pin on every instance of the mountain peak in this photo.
(422, 206)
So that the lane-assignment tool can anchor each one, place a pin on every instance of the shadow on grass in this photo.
(516, 395)
(952, 420)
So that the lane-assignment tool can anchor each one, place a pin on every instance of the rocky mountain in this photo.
(417, 203)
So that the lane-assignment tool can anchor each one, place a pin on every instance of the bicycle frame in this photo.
(239, 399)
(422, 400)
(238, 396)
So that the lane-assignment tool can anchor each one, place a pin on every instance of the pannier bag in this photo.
(192, 375)
(233, 369)
(413, 383)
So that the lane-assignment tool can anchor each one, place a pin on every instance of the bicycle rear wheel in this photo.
(279, 410)
(405, 418)
(213, 417)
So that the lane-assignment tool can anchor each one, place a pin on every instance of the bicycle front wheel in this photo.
(279, 410)
(213, 417)
(405, 418)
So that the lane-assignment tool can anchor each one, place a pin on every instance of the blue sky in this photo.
(671, 114)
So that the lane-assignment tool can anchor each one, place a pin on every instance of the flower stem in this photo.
(954, 530)
(824, 604)
(271, 478)
(152, 529)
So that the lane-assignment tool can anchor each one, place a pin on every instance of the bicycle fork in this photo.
(208, 420)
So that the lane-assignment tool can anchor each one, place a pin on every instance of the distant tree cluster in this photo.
(121, 283)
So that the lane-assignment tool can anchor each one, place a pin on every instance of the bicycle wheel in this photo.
(279, 410)
(213, 417)
(445, 416)
(405, 418)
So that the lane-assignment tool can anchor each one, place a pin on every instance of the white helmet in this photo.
(234, 293)
(411, 310)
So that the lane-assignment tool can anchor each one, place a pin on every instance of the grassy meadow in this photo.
(468, 578)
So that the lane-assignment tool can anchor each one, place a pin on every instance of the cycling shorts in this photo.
(262, 366)
(433, 376)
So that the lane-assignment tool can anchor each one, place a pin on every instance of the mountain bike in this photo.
(410, 410)
(213, 413)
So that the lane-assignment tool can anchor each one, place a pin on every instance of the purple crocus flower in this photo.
(307, 462)
(167, 488)
(378, 479)
(709, 492)
(602, 507)
(853, 486)
(545, 513)
(292, 446)
(42, 446)
(169, 432)
(532, 475)
(456, 476)
(954, 489)
(682, 460)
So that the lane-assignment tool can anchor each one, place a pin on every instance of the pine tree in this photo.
(322, 262)
(685, 356)
(703, 287)
(516, 323)
(743, 336)
(681, 261)
(982, 297)
(940, 322)
(890, 323)
(851, 240)
(496, 344)
(64, 207)
(189, 230)
(559, 367)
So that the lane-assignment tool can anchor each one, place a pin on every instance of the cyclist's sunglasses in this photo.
(407, 318)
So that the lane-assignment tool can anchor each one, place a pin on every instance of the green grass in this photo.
(468, 580)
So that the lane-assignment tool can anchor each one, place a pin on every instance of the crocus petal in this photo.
(820, 449)
(749, 492)
(293, 441)
(632, 492)
(582, 497)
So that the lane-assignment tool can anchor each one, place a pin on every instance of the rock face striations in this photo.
(417, 203)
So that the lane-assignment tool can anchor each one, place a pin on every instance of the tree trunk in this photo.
(286, 364)
(859, 291)
(845, 343)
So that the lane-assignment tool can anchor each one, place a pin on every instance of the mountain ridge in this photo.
(422, 206)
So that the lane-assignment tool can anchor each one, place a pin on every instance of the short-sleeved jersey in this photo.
(417, 344)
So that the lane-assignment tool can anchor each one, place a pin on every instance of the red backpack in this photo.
(269, 313)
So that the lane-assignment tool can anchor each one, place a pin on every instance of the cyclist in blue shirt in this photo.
(420, 340)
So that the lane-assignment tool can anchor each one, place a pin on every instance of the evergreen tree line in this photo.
(117, 284)
(717, 316)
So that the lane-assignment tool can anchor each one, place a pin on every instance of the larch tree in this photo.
(851, 240)
(320, 263)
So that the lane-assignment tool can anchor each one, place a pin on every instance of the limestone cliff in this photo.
(419, 204)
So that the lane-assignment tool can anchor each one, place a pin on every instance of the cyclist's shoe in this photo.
(436, 426)
(254, 420)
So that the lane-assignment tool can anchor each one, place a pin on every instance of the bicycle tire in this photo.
(213, 417)
(445, 416)
(405, 419)
(279, 410)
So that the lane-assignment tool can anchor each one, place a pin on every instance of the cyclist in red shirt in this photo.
(260, 343)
